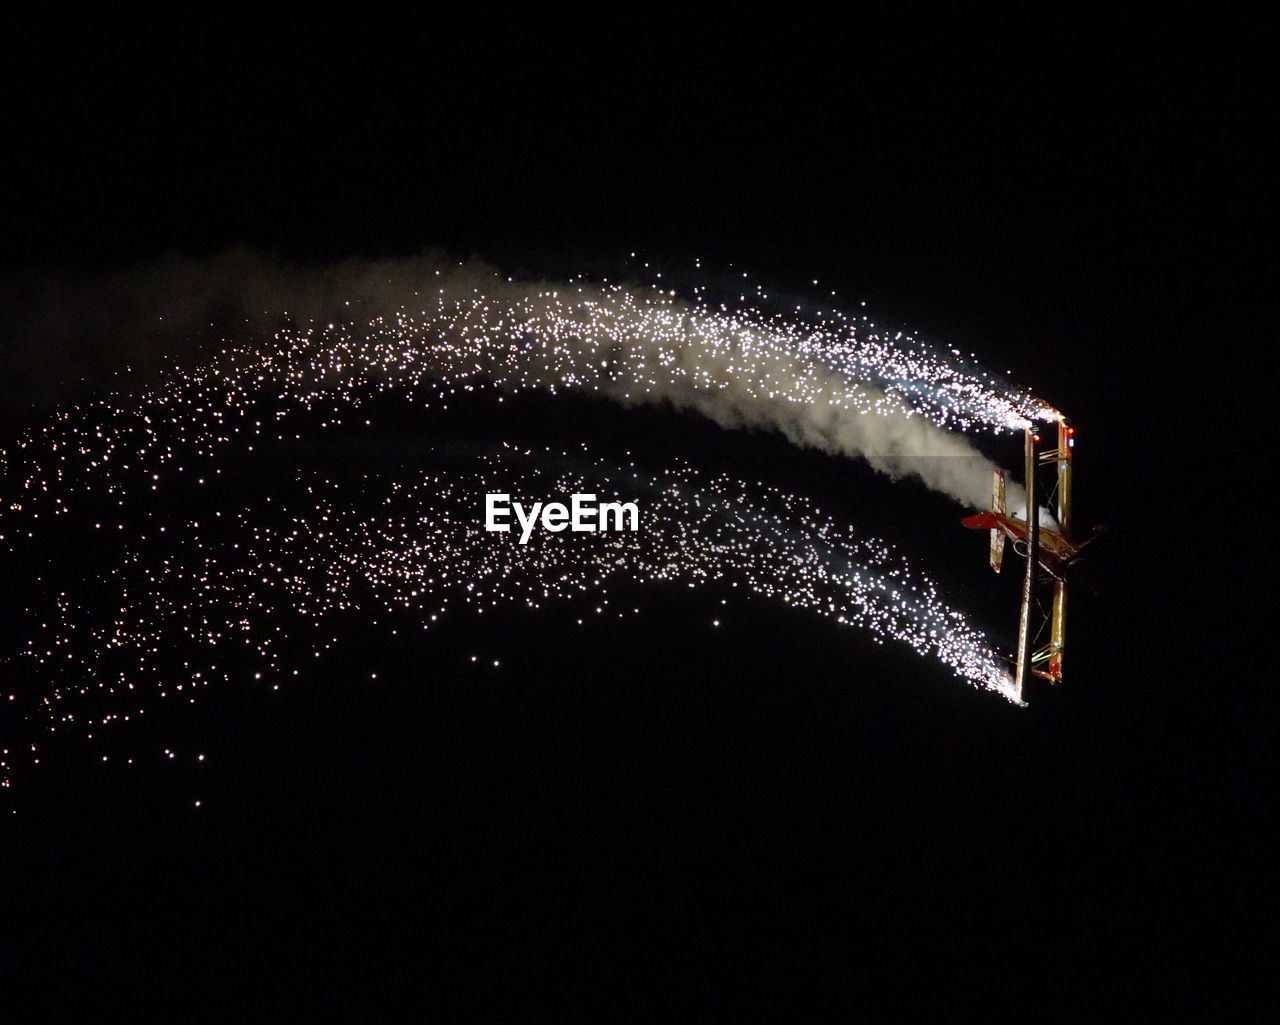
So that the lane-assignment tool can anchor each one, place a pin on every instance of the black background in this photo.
(653, 820)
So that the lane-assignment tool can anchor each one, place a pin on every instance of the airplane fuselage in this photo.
(1055, 551)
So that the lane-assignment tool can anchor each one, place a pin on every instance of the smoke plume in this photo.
(430, 317)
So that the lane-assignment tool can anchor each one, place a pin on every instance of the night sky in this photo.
(655, 819)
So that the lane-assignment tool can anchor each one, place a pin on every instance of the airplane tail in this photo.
(997, 507)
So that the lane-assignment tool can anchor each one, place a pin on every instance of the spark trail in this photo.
(172, 599)
(243, 593)
(826, 380)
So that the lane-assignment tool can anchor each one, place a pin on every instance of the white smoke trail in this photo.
(418, 324)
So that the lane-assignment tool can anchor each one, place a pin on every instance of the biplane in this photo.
(1050, 550)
